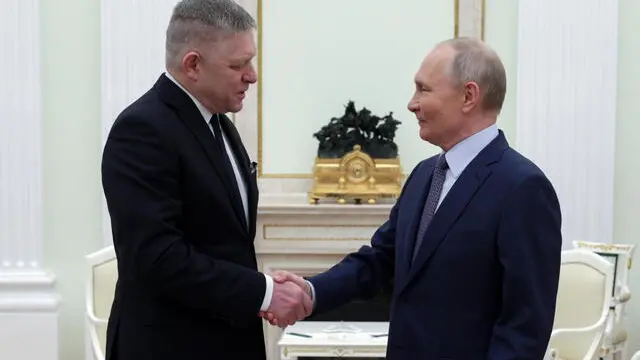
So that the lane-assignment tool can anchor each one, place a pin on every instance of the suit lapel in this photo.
(171, 94)
(454, 204)
(450, 210)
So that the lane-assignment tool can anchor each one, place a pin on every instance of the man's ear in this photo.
(471, 96)
(191, 64)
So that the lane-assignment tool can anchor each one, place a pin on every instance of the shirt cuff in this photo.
(313, 293)
(268, 293)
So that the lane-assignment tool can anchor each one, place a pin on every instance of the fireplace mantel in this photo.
(307, 239)
(284, 203)
(324, 209)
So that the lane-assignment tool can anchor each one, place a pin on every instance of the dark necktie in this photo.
(437, 181)
(217, 131)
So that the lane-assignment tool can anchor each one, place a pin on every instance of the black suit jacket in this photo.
(188, 285)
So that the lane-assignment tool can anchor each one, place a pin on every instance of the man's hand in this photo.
(284, 276)
(291, 300)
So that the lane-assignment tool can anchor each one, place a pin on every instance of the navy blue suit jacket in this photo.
(483, 284)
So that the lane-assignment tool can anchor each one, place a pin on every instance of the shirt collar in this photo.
(459, 156)
(206, 114)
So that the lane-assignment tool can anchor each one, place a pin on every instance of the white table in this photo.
(334, 339)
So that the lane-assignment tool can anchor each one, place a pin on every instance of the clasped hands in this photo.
(290, 301)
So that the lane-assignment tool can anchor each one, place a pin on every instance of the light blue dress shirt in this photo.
(459, 156)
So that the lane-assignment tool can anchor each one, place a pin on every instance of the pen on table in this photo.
(299, 334)
(378, 335)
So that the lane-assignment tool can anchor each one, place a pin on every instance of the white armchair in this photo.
(102, 274)
(621, 256)
(584, 296)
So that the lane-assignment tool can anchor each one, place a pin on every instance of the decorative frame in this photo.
(467, 12)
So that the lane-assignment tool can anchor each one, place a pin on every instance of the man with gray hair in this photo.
(182, 195)
(473, 244)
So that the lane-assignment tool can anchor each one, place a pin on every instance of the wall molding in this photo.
(21, 195)
(566, 106)
(28, 292)
(28, 301)
(132, 60)
(468, 22)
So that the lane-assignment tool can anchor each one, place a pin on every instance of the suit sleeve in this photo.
(361, 274)
(141, 181)
(529, 245)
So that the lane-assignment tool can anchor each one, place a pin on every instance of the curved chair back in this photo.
(102, 275)
(584, 295)
(614, 344)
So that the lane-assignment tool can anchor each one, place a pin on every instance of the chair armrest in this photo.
(93, 335)
(622, 295)
(96, 320)
(551, 354)
(595, 327)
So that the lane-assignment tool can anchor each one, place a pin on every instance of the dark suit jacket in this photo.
(188, 284)
(484, 282)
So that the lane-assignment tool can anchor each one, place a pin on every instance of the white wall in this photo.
(627, 167)
(316, 59)
(29, 305)
(70, 33)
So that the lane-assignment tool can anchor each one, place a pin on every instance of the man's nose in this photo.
(413, 105)
(251, 77)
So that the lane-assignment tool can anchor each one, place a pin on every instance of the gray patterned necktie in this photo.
(432, 200)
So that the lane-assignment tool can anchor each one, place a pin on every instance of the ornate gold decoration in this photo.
(626, 249)
(356, 176)
(610, 248)
(456, 18)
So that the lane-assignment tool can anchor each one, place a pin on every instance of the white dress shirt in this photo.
(242, 186)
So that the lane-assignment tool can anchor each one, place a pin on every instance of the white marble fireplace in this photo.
(307, 239)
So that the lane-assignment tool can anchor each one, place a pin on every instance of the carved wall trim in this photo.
(132, 59)
(21, 194)
(566, 106)
(28, 303)
(469, 20)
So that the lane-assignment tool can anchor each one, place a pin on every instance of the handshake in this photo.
(291, 300)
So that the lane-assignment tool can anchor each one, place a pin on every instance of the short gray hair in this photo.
(477, 62)
(197, 21)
